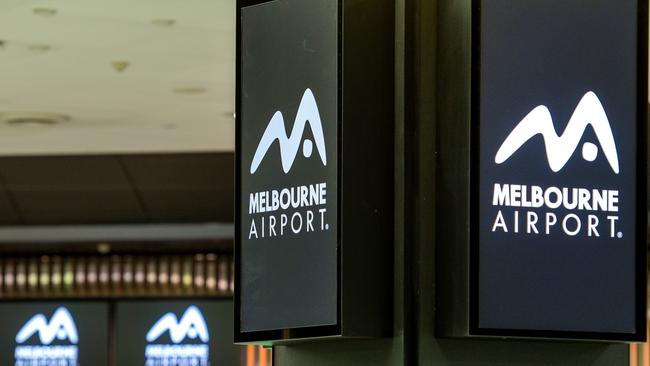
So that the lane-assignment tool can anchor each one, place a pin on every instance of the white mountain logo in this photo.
(559, 149)
(192, 325)
(289, 145)
(60, 327)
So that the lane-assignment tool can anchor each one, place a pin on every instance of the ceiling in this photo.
(63, 57)
(116, 189)
(176, 94)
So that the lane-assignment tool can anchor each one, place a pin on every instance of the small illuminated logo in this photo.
(192, 325)
(61, 327)
(190, 328)
(290, 144)
(560, 148)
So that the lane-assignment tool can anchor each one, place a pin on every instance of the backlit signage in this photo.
(559, 191)
(175, 333)
(54, 334)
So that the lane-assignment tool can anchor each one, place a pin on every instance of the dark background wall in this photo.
(429, 36)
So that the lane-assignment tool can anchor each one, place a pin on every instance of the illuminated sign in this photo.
(175, 333)
(289, 168)
(191, 326)
(314, 167)
(561, 193)
(54, 334)
(543, 185)
(61, 327)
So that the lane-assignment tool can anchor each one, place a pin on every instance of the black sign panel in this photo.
(559, 229)
(54, 334)
(175, 333)
(314, 169)
(288, 151)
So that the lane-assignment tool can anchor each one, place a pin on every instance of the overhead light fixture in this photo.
(190, 90)
(103, 248)
(39, 48)
(45, 12)
(36, 119)
(120, 66)
(163, 22)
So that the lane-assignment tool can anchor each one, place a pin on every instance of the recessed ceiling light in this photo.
(32, 118)
(120, 66)
(39, 48)
(46, 12)
(103, 248)
(190, 90)
(163, 22)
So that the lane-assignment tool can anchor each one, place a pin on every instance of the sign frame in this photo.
(458, 302)
(361, 312)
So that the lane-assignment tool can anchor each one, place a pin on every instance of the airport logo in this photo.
(296, 209)
(290, 144)
(559, 149)
(523, 209)
(189, 337)
(61, 328)
(191, 325)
